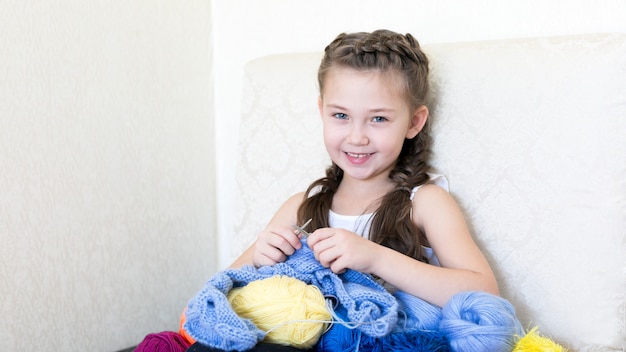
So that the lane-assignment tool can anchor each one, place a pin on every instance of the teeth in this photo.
(353, 155)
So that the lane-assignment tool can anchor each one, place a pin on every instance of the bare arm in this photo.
(277, 241)
(463, 266)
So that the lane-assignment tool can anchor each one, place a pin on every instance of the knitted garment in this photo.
(469, 322)
(417, 330)
(364, 303)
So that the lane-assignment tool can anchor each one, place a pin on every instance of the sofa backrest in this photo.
(531, 134)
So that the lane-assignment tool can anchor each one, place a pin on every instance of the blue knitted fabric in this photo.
(469, 322)
(417, 330)
(363, 302)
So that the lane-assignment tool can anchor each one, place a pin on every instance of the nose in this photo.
(357, 135)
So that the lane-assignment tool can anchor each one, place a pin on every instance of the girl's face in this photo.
(366, 119)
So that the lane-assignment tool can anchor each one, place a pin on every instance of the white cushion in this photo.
(532, 136)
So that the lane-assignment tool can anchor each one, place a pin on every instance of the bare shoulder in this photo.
(437, 213)
(295, 199)
(430, 195)
(287, 213)
(292, 203)
(433, 207)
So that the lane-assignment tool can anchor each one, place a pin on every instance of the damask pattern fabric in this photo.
(530, 134)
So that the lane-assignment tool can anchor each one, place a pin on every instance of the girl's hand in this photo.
(274, 245)
(340, 249)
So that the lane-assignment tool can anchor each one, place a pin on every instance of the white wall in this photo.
(109, 150)
(244, 30)
(106, 170)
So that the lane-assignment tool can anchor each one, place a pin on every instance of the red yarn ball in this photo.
(166, 341)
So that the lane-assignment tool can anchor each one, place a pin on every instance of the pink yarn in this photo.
(166, 341)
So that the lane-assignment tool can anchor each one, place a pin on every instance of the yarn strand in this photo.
(303, 304)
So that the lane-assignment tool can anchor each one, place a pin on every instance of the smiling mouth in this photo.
(355, 155)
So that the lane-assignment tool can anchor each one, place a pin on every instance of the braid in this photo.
(400, 57)
(319, 198)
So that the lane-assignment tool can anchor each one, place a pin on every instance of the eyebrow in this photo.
(377, 110)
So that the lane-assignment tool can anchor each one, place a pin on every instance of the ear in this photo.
(320, 104)
(418, 120)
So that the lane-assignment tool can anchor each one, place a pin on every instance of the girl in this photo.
(378, 210)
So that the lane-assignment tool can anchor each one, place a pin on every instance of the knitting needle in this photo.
(300, 229)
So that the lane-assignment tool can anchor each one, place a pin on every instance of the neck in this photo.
(355, 197)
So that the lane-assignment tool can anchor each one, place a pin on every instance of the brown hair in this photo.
(395, 55)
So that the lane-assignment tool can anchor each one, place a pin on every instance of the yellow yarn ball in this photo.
(290, 311)
(533, 342)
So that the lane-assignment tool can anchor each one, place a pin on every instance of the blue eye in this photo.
(340, 115)
(379, 119)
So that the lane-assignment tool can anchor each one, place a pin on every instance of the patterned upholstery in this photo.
(531, 134)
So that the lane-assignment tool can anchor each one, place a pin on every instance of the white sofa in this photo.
(531, 134)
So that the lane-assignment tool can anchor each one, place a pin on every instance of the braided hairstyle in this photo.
(395, 55)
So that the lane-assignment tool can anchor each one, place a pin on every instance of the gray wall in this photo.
(107, 222)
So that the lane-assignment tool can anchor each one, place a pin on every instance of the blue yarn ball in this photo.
(478, 321)
(341, 338)
(415, 313)
(408, 338)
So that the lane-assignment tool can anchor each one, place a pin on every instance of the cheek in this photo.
(330, 139)
(392, 143)
(332, 134)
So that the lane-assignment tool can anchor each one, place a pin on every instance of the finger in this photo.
(265, 254)
(338, 267)
(290, 235)
(326, 256)
(319, 235)
(273, 257)
(283, 245)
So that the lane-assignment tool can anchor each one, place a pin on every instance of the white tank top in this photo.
(360, 224)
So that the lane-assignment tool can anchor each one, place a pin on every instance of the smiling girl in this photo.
(379, 210)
